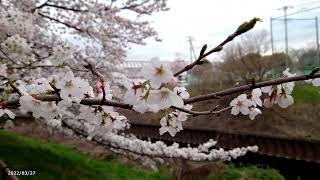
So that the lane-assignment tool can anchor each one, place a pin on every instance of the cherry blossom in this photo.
(240, 104)
(253, 112)
(73, 88)
(287, 73)
(137, 94)
(272, 90)
(316, 82)
(39, 86)
(255, 97)
(279, 94)
(274, 93)
(182, 92)
(164, 98)
(157, 73)
(50, 110)
(3, 70)
(288, 87)
(100, 85)
(59, 56)
(30, 104)
(172, 122)
(6, 111)
(166, 126)
(16, 44)
(285, 100)
(206, 151)
(174, 81)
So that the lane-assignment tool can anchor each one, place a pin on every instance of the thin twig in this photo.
(96, 73)
(241, 29)
(14, 88)
(196, 113)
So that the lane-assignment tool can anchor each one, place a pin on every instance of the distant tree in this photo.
(245, 59)
(307, 58)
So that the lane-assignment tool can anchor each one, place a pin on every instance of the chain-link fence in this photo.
(299, 38)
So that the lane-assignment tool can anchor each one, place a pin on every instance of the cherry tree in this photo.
(45, 74)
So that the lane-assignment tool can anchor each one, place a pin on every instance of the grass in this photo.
(306, 93)
(247, 172)
(55, 161)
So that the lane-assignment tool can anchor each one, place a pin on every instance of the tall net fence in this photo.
(301, 43)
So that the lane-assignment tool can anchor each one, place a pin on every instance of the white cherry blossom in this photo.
(30, 104)
(166, 126)
(277, 89)
(136, 95)
(286, 73)
(164, 98)
(254, 112)
(6, 111)
(16, 45)
(3, 70)
(288, 87)
(157, 73)
(60, 55)
(73, 88)
(285, 100)
(269, 101)
(39, 86)
(255, 97)
(240, 104)
(182, 92)
(316, 82)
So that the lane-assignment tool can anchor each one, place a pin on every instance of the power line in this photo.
(304, 10)
(295, 19)
(306, 3)
(297, 12)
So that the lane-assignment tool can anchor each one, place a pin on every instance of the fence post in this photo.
(271, 34)
(317, 34)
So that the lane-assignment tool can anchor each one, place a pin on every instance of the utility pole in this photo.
(192, 52)
(285, 8)
(271, 33)
(317, 34)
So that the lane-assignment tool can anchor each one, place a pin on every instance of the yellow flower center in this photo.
(164, 94)
(159, 71)
(69, 84)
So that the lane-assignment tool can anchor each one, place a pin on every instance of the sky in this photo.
(207, 21)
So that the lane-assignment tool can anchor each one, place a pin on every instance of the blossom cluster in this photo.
(18, 22)
(159, 92)
(276, 94)
(205, 151)
(71, 90)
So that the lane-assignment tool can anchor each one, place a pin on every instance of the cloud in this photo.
(207, 21)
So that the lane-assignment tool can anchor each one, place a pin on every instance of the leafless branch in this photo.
(95, 101)
(241, 29)
(247, 87)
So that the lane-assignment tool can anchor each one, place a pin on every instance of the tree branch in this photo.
(61, 22)
(248, 87)
(215, 95)
(241, 29)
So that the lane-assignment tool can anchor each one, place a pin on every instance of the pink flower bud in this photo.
(173, 82)
(99, 86)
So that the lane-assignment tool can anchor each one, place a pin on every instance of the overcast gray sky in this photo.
(207, 21)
